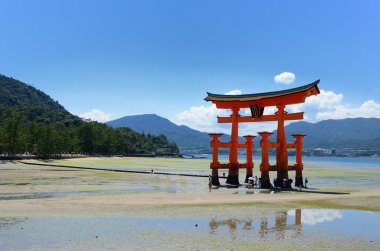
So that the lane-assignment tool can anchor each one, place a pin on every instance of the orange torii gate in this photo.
(256, 103)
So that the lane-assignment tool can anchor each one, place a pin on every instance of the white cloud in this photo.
(96, 115)
(202, 118)
(285, 78)
(326, 105)
(329, 105)
(314, 216)
(369, 109)
(325, 100)
(233, 92)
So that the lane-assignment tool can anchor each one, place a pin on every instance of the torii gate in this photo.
(256, 103)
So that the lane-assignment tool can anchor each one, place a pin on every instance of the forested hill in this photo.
(36, 105)
(32, 122)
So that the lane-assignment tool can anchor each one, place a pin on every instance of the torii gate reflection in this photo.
(279, 228)
(256, 103)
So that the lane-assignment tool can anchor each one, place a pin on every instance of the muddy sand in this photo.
(143, 204)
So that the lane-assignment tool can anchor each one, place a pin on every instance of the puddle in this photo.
(9, 222)
(296, 226)
(24, 196)
(125, 189)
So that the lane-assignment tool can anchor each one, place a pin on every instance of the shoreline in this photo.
(109, 189)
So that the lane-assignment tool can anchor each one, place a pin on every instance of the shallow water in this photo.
(296, 226)
(369, 162)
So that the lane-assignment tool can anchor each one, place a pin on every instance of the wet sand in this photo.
(51, 193)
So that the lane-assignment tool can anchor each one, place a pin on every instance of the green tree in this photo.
(12, 131)
(86, 137)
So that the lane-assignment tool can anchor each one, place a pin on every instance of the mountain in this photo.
(185, 137)
(355, 133)
(38, 106)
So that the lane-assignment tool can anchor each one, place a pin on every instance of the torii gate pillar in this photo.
(264, 167)
(299, 164)
(233, 171)
(281, 151)
(249, 164)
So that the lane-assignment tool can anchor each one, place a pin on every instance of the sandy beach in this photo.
(50, 192)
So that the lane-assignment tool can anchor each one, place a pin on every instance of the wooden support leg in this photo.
(233, 175)
(264, 167)
(215, 163)
(233, 172)
(215, 177)
(299, 164)
(249, 145)
(265, 180)
(281, 152)
(299, 178)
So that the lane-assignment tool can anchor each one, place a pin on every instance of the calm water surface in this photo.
(116, 232)
(319, 161)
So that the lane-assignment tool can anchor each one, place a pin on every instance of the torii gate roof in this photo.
(290, 96)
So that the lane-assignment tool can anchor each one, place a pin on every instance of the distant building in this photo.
(323, 152)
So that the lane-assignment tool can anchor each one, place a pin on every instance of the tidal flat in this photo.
(60, 208)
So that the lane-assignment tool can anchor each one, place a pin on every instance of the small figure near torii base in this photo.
(251, 183)
(306, 181)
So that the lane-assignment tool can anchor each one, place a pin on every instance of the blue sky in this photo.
(137, 57)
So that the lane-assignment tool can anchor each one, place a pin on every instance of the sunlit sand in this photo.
(48, 192)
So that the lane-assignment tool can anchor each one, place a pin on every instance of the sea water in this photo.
(370, 162)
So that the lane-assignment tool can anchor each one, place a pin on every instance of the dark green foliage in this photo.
(97, 138)
(30, 121)
(36, 105)
(11, 131)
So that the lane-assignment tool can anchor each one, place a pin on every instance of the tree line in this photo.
(43, 138)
